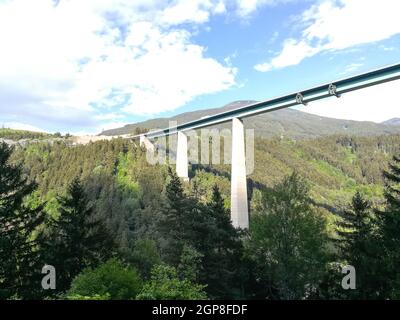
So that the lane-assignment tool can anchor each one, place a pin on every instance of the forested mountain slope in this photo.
(169, 231)
(392, 122)
(335, 167)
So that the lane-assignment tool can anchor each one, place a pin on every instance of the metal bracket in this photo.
(332, 89)
(300, 99)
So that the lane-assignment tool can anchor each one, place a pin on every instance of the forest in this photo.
(115, 227)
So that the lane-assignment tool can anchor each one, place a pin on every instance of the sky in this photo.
(85, 66)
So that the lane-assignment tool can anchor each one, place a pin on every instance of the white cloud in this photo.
(111, 125)
(293, 53)
(220, 7)
(352, 67)
(172, 72)
(246, 7)
(361, 105)
(96, 129)
(97, 56)
(336, 25)
(388, 48)
(109, 116)
(22, 126)
(263, 67)
(189, 11)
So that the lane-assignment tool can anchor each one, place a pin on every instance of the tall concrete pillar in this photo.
(145, 142)
(156, 153)
(182, 157)
(239, 205)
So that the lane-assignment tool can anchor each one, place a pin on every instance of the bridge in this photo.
(239, 198)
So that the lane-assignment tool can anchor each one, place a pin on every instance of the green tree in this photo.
(202, 234)
(287, 242)
(389, 220)
(190, 264)
(176, 223)
(113, 280)
(19, 262)
(222, 251)
(166, 285)
(359, 246)
(75, 240)
(144, 255)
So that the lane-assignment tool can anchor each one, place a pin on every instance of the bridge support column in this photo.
(145, 142)
(239, 205)
(182, 157)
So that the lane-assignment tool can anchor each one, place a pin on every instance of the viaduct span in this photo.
(239, 200)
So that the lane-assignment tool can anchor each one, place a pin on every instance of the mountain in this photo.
(286, 123)
(392, 122)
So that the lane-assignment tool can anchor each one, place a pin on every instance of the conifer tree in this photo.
(221, 262)
(76, 240)
(355, 228)
(175, 223)
(389, 220)
(19, 261)
(360, 248)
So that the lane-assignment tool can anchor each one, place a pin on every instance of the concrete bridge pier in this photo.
(239, 205)
(182, 162)
(145, 142)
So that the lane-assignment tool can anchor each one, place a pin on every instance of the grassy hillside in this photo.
(286, 123)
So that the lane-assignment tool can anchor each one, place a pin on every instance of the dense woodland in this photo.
(116, 227)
